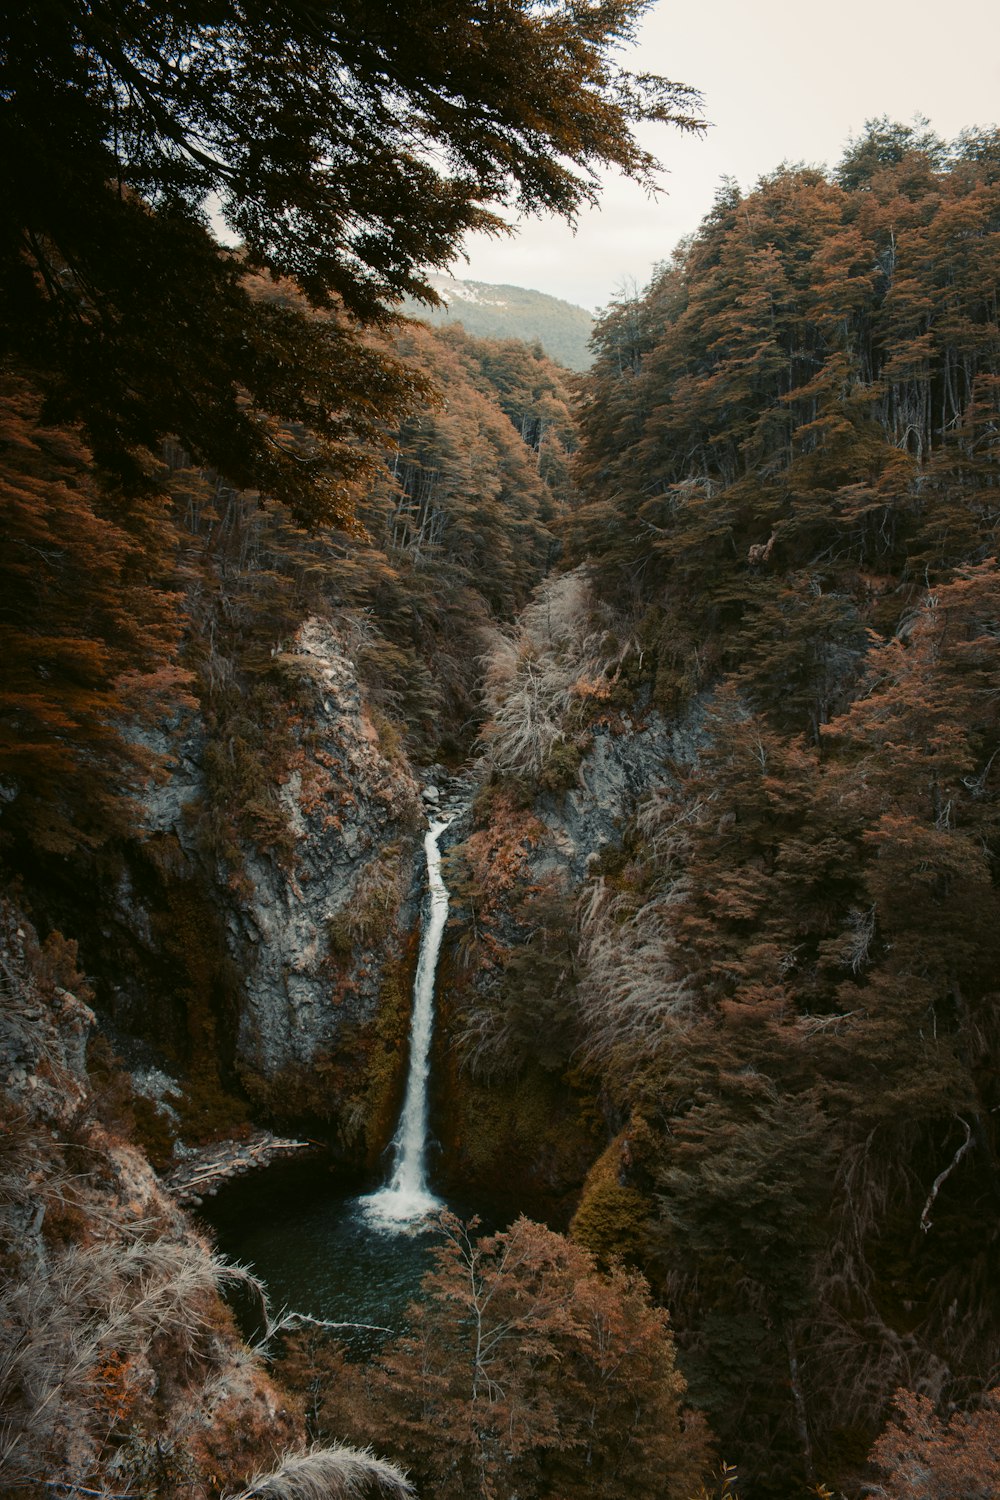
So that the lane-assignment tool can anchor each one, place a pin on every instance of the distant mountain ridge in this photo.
(513, 312)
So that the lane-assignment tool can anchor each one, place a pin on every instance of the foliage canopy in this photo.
(347, 146)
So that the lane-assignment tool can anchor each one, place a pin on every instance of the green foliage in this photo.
(886, 144)
(611, 1221)
(531, 1130)
(385, 1051)
(562, 765)
(512, 313)
(527, 1012)
(369, 916)
(201, 986)
(248, 749)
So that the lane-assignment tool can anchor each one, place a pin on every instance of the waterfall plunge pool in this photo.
(340, 1257)
(318, 1253)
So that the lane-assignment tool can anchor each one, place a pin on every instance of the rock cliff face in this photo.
(514, 1107)
(626, 758)
(312, 939)
(287, 973)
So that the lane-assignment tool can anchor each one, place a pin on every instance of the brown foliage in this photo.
(526, 1371)
(89, 632)
(921, 1456)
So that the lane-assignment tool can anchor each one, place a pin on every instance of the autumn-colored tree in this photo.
(921, 1456)
(526, 1371)
(345, 148)
(89, 628)
(788, 461)
(799, 377)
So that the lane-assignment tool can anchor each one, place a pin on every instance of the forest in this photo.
(708, 634)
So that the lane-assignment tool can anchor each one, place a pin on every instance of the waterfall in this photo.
(407, 1199)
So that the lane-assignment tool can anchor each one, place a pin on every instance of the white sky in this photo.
(783, 80)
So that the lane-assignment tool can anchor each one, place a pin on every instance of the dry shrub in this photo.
(339, 1473)
(539, 678)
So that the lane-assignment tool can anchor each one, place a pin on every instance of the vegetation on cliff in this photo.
(512, 312)
(756, 1027)
(121, 1367)
(209, 451)
(787, 985)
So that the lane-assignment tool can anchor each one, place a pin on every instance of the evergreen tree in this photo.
(789, 468)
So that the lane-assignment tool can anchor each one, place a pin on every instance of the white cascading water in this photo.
(407, 1199)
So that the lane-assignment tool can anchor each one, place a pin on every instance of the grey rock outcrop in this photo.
(309, 938)
(304, 938)
(624, 763)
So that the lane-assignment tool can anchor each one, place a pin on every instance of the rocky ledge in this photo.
(205, 1171)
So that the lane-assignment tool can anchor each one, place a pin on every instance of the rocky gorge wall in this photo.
(315, 939)
(119, 1359)
(275, 988)
(281, 979)
(520, 1120)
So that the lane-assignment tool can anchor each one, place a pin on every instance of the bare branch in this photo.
(942, 1177)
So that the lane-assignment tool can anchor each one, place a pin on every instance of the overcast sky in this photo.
(783, 80)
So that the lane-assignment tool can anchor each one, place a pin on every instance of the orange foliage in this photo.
(88, 632)
(921, 1456)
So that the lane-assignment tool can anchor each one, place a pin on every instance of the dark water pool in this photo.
(318, 1254)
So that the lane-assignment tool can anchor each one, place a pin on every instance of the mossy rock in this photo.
(526, 1140)
(611, 1221)
(561, 770)
(356, 1090)
(385, 1057)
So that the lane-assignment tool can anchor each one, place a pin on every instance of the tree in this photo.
(527, 1372)
(88, 636)
(886, 143)
(347, 146)
(789, 481)
(921, 1457)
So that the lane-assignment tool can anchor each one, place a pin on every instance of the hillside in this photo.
(511, 312)
(677, 678)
